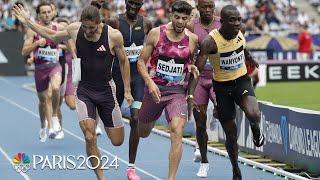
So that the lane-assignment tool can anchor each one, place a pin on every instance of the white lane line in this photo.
(78, 137)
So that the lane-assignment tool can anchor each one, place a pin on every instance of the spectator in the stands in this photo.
(305, 44)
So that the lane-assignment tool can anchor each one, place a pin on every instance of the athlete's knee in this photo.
(134, 121)
(143, 130)
(117, 142)
(176, 131)
(71, 105)
(201, 125)
(90, 137)
(254, 115)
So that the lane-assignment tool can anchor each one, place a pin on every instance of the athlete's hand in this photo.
(191, 105)
(20, 13)
(30, 61)
(41, 42)
(194, 70)
(128, 97)
(251, 61)
(154, 91)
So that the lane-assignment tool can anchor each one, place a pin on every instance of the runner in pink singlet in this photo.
(170, 48)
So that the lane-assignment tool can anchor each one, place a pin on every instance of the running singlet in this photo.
(48, 54)
(202, 32)
(133, 37)
(96, 59)
(169, 60)
(228, 63)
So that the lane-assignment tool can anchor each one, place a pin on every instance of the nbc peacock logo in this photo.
(21, 162)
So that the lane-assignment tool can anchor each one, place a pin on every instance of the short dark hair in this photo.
(227, 8)
(90, 13)
(181, 7)
(42, 3)
(96, 4)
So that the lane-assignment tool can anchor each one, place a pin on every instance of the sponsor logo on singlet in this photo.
(170, 69)
(48, 54)
(232, 60)
(133, 52)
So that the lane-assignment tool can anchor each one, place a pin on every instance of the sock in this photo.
(131, 166)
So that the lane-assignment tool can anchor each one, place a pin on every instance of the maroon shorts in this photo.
(43, 75)
(204, 90)
(173, 102)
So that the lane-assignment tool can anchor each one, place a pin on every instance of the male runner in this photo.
(226, 50)
(47, 71)
(133, 29)
(96, 45)
(170, 49)
(204, 90)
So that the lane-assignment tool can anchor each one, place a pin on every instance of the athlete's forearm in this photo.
(43, 31)
(125, 73)
(27, 49)
(142, 69)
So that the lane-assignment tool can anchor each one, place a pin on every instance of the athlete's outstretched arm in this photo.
(208, 46)
(117, 41)
(24, 17)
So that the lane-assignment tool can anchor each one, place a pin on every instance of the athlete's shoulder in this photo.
(113, 22)
(147, 23)
(73, 26)
(191, 35)
(114, 33)
(154, 31)
(190, 25)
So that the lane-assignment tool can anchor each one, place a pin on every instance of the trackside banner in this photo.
(292, 136)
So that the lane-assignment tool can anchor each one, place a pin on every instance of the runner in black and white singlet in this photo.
(134, 29)
(96, 44)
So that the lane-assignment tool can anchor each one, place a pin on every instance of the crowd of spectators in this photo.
(260, 16)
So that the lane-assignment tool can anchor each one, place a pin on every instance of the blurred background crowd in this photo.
(260, 16)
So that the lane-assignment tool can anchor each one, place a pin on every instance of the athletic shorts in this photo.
(173, 102)
(42, 75)
(204, 90)
(230, 92)
(89, 99)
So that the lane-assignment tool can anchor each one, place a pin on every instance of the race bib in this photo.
(48, 54)
(170, 70)
(232, 62)
(133, 52)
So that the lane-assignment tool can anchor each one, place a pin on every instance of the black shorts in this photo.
(116, 76)
(230, 92)
(89, 99)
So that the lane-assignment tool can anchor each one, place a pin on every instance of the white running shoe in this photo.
(197, 155)
(52, 133)
(98, 130)
(203, 170)
(56, 124)
(59, 135)
(43, 135)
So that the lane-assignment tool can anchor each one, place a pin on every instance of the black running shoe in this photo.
(258, 139)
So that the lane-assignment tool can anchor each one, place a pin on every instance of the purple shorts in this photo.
(42, 76)
(174, 103)
(67, 88)
(204, 89)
